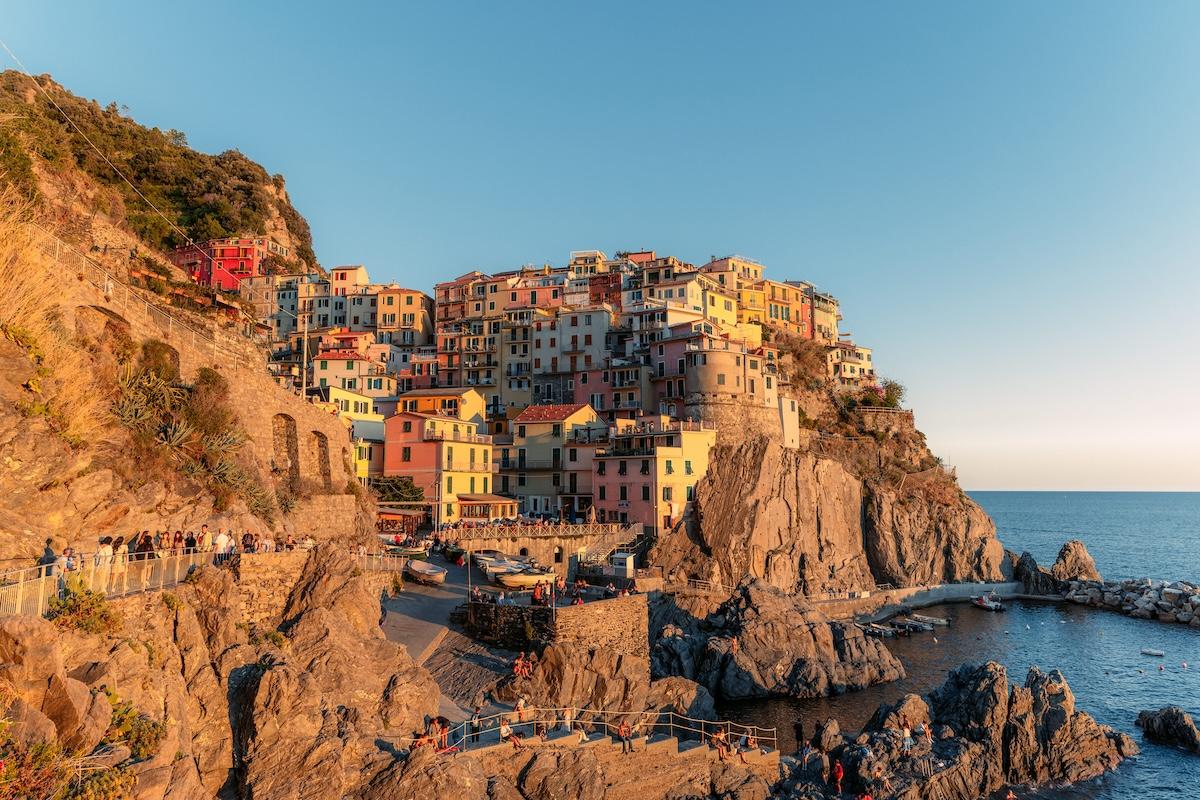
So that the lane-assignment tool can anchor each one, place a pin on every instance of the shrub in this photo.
(397, 583)
(83, 610)
(171, 601)
(138, 731)
(160, 359)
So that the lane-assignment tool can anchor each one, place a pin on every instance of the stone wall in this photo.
(510, 627)
(887, 420)
(265, 580)
(735, 421)
(293, 442)
(620, 625)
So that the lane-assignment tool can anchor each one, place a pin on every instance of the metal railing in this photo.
(563, 530)
(700, 586)
(29, 590)
(591, 722)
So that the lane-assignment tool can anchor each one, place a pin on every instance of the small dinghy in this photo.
(912, 625)
(424, 572)
(1148, 651)
(931, 620)
(878, 631)
(987, 602)
(413, 553)
(525, 579)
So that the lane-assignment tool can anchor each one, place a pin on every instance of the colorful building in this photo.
(462, 403)
(448, 460)
(533, 466)
(647, 473)
(224, 263)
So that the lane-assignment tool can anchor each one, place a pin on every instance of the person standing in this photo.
(205, 543)
(120, 559)
(223, 544)
(104, 561)
(48, 559)
(476, 724)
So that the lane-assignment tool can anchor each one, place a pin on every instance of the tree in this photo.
(893, 392)
(398, 489)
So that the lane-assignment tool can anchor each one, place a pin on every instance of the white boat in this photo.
(424, 572)
(1146, 651)
(481, 557)
(987, 602)
(912, 625)
(525, 579)
(931, 620)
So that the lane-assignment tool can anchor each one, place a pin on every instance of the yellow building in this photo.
(788, 307)
(448, 460)
(405, 317)
(534, 465)
(462, 403)
(850, 366)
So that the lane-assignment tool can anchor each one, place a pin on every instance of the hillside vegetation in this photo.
(207, 196)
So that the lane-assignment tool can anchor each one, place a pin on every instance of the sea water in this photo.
(1129, 535)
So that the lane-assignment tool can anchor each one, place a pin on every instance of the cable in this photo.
(99, 152)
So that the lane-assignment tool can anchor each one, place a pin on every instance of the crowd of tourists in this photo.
(114, 552)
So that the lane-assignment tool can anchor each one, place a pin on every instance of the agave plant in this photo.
(224, 442)
(176, 433)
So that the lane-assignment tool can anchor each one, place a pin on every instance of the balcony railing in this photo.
(454, 436)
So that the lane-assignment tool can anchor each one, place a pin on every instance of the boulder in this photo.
(1036, 579)
(1074, 563)
(558, 775)
(735, 782)
(1170, 725)
(29, 654)
(79, 716)
(425, 774)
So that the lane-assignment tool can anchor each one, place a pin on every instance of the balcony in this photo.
(531, 465)
(470, 466)
(432, 435)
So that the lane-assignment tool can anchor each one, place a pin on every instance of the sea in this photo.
(1130, 535)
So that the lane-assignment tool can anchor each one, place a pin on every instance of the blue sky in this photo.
(1006, 197)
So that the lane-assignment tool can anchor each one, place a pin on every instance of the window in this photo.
(687, 468)
(521, 431)
(667, 494)
(406, 454)
(646, 492)
(624, 493)
(602, 492)
(324, 365)
(407, 426)
(720, 379)
(556, 430)
(573, 454)
(449, 484)
(558, 554)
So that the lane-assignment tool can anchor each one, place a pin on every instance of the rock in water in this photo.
(763, 643)
(1036, 579)
(1074, 563)
(988, 734)
(1170, 725)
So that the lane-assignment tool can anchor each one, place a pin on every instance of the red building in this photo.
(223, 263)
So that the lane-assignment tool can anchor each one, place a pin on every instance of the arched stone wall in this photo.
(285, 460)
(318, 450)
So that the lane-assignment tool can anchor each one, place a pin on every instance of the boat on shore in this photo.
(525, 579)
(451, 552)
(931, 620)
(912, 625)
(988, 602)
(878, 631)
(424, 572)
(409, 552)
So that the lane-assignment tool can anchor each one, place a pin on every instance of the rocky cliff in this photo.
(184, 699)
(811, 522)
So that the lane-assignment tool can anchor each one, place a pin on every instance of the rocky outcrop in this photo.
(267, 714)
(425, 774)
(553, 775)
(1074, 563)
(601, 680)
(1036, 579)
(1170, 725)
(763, 643)
(808, 524)
(986, 734)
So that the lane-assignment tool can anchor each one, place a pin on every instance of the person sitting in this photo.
(625, 735)
(720, 743)
(748, 744)
(610, 590)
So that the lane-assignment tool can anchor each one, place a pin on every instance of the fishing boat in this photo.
(878, 631)
(409, 552)
(424, 572)
(912, 625)
(452, 552)
(931, 620)
(495, 568)
(988, 602)
(481, 557)
(525, 579)
(1147, 651)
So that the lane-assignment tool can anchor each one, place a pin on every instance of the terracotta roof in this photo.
(549, 413)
